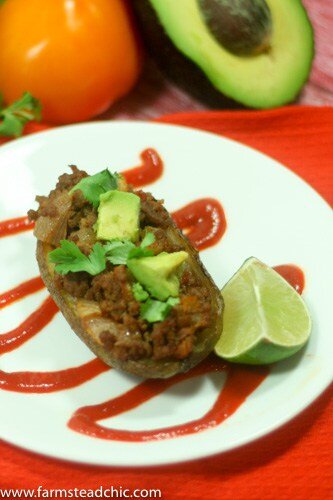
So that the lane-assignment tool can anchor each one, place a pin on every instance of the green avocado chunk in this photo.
(256, 52)
(118, 216)
(158, 274)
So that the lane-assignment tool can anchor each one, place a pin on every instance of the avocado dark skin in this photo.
(173, 64)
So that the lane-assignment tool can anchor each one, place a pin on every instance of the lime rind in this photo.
(265, 319)
(263, 353)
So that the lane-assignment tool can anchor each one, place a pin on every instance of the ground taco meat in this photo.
(134, 338)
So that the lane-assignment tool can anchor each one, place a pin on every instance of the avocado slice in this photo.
(158, 274)
(118, 216)
(259, 56)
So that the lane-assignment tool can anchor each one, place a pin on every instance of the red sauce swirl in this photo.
(293, 274)
(44, 382)
(240, 383)
(203, 221)
(29, 327)
(21, 291)
(148, 172)
(14, 226)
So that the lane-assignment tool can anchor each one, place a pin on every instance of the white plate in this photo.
(271, 214)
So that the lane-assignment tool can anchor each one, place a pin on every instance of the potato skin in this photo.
(147, 368)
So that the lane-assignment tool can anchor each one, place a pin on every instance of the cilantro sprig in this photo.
(120, 251)
(20, 112)
(139, 293)
(155, 310)
(95, 185)
(69, 258)
(152, 310)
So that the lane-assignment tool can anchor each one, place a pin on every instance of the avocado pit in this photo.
(243, 27)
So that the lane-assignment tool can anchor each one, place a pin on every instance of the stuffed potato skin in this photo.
(101, 305)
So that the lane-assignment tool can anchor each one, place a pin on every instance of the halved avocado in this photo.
(256, 52)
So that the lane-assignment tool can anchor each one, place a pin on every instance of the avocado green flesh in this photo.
(158, 274)
(118, 216)
(265, 80)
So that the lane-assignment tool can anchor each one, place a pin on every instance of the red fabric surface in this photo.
(294, 462)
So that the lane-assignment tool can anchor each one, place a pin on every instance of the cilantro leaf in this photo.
(143, 250)
(120, 251)
(117, 251)
(139, 292)
(95, 185)
(138, 252)
(173, 301)
(96, 259)
(69, 258)
(11, 126)
(15, 116)
(147, 240)
(155, 310)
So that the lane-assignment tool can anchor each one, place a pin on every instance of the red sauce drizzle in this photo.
(203, 221)
(39, 382)
(20, 291)
(241, 382)
(43, 382)
(14, 226)
(147, 173)
(293, 274)
(30, 326)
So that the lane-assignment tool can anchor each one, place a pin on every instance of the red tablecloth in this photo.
(295, 462)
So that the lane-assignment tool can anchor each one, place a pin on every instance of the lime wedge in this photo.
(265, 319)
